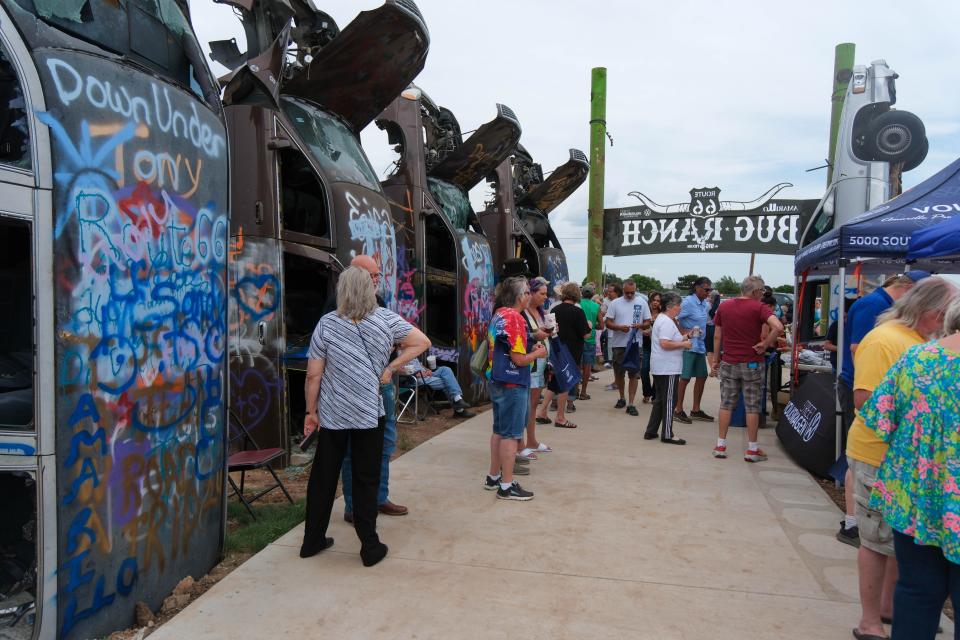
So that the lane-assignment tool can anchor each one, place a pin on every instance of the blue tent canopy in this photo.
(882, 235)
(939, 241)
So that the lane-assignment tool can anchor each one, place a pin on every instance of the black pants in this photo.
(366, 449)
(664, 400)
(648, 391)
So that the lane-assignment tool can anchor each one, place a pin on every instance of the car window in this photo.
(16, 339)
(453, 200)
(155, 33)
(14, 128)
(332, 144)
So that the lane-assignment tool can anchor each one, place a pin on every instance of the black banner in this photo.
(807, 426)
(707, 224)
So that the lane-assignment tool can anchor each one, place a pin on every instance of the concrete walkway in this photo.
(626, 538)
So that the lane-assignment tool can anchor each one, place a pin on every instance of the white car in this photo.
(873, 137)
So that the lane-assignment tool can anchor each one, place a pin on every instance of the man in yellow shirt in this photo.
(913, 319)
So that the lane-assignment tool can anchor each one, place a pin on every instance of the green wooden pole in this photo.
(598, 134)
(842, 72)
(843, 56)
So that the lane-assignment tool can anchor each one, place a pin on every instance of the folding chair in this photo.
(250, 459)
(409, 391)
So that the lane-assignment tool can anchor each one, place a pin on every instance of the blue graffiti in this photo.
(141, 298)
(17, 449)
(249, 287)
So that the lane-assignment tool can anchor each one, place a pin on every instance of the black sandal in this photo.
(673, 440)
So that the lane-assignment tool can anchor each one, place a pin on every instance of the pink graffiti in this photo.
(408, 307)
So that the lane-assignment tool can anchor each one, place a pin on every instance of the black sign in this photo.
(807, 426)
(707, 224)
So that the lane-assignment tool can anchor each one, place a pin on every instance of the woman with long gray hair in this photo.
(348, 360)
(508, 369)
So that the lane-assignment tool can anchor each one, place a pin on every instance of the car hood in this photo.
(559, 185)
(480, 154)
(367, 65)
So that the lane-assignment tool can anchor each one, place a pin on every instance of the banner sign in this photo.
(807, 426)
(707, 224)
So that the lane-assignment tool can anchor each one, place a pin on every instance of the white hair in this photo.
(356, 296)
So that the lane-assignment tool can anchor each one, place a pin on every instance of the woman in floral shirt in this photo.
(916, 409)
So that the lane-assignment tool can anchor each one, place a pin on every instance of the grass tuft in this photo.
(273, 520)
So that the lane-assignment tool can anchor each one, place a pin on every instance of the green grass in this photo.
(273, 520)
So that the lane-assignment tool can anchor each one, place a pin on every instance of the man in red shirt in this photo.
(738, 336)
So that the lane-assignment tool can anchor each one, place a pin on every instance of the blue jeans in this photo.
(388, 391)
(444, 380)
(926, 579)
(510, 407)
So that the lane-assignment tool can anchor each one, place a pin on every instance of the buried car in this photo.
(443, 254)
(305, 198)
(113, 230)
(517, 220)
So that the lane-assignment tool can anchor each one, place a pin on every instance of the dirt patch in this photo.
(831, 489)
(294, 478)
(191, 593)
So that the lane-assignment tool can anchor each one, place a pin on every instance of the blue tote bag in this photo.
(566, 371)
(633, 355)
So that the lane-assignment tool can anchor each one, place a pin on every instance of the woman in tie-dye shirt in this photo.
(916, 409)
(509, 373)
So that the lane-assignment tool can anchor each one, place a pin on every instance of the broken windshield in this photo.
(331, 143)
(453, 200)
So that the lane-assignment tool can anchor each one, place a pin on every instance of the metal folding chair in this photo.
(248, 459)
(408, 393)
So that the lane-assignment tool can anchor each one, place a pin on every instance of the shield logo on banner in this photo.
(705, 202)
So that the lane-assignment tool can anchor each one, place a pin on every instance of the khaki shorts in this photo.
(737, 378)
(875, 533)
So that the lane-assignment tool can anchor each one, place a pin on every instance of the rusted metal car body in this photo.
(516, 219)
(447, 270)
(305, 198)
(114, 202)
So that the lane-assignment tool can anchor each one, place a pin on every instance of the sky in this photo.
(732, 94)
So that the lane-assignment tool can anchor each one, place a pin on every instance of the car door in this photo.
(27, 466)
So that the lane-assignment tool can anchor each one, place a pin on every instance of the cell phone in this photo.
(308, 441)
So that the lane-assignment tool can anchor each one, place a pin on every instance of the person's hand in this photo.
(425, 373)
(540, 334)
(539, 350)
(637, 325)
(760, 348)
(387, 376)
(310, 424)
(624, 328)
(714, 368)
(687, 344)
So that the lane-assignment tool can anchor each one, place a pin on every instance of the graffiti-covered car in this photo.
(113, 251)
(443, 253)
(516, 220)
(305, 198)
